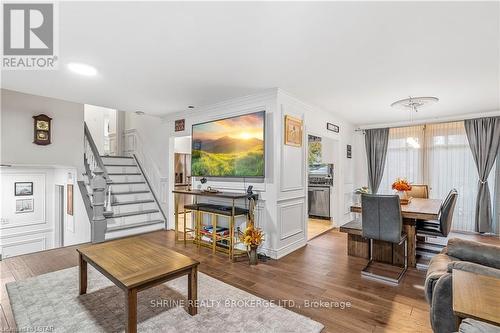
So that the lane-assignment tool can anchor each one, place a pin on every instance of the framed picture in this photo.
(349, 151)
(24, 205)
(332, 127)
(180, 125)
(23, 188)
(69, 199)
(293, 131)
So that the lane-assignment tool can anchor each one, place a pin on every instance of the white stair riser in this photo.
(129, 187)
(134, 231)
(109, 160)
(134, 219)
(126, 178)
(121, 169)
(131, 197)
(133, 208)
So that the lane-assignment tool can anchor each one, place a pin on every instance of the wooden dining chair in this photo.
(419, 191)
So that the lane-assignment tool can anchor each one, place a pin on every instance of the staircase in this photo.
(118, 196)
(132, 203)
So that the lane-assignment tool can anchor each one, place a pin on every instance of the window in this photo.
(437, 155)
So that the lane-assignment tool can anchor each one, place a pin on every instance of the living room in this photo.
(250, 166)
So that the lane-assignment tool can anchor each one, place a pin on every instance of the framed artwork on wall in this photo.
(23, 188)
(69, 199)
(332, 127)
(24, 205)
(293, 131)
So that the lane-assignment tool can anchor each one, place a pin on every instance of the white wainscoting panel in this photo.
(15, 248)
(291, 218)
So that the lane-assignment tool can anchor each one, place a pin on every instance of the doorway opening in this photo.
(320, 186)
(182, 177)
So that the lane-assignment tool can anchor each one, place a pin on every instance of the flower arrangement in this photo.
(252, 236)
(401, 185)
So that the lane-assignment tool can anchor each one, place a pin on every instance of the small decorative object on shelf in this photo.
(401, 186)
(42, 128)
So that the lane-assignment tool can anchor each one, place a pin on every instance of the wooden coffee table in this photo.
(134, 264)
(476, 296)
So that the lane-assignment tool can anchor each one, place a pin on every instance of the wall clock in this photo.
(42, 129)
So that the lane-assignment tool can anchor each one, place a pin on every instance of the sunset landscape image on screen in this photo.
(232, 147)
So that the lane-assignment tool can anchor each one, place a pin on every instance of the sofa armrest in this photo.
(474, 268)
(479, 253)
(469, 325)
(438, 266)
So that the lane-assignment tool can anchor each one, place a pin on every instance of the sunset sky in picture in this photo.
(243, 127)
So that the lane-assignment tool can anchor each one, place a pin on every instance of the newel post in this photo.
(98, 185)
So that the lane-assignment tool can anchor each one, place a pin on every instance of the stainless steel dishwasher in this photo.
(319, 201)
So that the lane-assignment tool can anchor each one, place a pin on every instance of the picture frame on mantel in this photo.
(293, 131)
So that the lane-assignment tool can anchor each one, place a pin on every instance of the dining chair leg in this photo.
(367, 273)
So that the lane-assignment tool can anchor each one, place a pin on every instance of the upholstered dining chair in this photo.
(419, 191)
(442, 226)
(381, 220)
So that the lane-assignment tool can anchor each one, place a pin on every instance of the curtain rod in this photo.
(431, 121)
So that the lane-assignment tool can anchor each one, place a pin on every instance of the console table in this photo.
(230, 211)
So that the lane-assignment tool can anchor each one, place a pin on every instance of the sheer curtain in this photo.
(404, 157)
(438, 155)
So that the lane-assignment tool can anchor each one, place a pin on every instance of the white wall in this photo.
(96, 117)
(153, 132)
(59, 163)
(17, 145)
(182, 145)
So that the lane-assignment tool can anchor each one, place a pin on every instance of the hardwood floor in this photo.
(316, 227)
(321, 271)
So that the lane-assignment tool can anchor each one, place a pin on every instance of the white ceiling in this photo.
(351, 58)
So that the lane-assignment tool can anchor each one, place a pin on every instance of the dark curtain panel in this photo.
(484, 139)
(376, 150)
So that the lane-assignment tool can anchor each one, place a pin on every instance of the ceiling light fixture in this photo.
(140, 113)
(82, 69)
(190, 106)
(413, 103)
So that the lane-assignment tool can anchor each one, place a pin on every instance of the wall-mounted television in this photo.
(230, 147)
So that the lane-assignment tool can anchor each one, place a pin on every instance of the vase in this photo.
(403, 197)
(252, 255)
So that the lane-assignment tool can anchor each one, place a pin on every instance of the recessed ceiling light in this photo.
(82, 69)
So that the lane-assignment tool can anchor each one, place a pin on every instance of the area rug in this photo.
(51, 303)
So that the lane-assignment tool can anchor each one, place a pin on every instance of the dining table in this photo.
(416, 209)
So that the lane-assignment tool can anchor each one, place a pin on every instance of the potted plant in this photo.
(401, 186)
(358, 192)
(252, 237)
